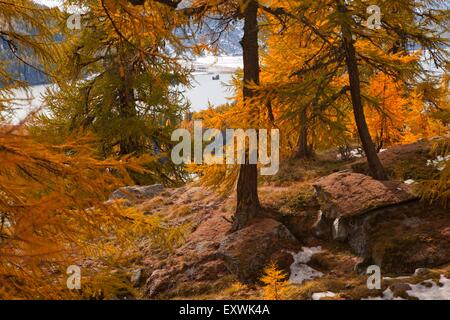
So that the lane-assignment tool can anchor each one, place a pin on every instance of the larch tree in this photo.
(358, 49)
(46, 189)
(248, 206)
(121, 79)
(307, 106)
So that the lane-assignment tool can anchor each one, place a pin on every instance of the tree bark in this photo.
(303, 149)
(247, 186)
(375, 167)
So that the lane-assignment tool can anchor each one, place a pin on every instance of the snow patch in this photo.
(320, 295)
(409, 181)
(355, 153)
(440, 291)
(427, 290)
(301, 272)
(387, 295)
(439, 163)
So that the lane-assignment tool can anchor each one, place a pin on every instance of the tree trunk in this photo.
(303, 150)
(247, 187)
(375, 167)
(128, 142)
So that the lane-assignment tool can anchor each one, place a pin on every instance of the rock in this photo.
(419, 272)
(411, 222)
(399, 290)
(136, 194)
(136, 278)
(248, 251)
(323, 226)
(382, 238)
(195, 264)
(158, 282)
(383, 222)
(339, 230)
(403, 162)
(345, 194)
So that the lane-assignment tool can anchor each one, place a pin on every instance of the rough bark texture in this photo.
(375, 167)
(303, 149)
(247, 193)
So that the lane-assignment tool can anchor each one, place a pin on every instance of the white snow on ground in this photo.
(300, 272)
(387, 295)
(355, 153)
(409, 181)
(440, 291)
(396, 278)
(320, 295)
(439, 162)
(432, 291)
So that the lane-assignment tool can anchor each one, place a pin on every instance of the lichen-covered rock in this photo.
(339, 230)
(403, 162)
(247, 251)
(346, 194)
(383, 222)
(136, 194)
(402, 248)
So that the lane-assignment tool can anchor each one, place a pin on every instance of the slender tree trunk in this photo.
(247, 187)
(128, 143)
(375, 167)
(303, 150)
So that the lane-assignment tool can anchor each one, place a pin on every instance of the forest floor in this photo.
(411, 248)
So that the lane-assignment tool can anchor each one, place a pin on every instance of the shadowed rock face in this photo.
(403, 238)
(248, 251)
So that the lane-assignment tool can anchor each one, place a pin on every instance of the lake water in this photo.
(203, 91)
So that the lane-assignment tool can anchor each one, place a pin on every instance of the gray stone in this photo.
(137, 193)
(136, 278)
(339, 230)
(322, 228)
(248, 251)
(419, 272)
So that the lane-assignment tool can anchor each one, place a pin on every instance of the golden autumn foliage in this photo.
(397, 115)
(275, 283)
(118, 101)
(437, 188)
(52, 216)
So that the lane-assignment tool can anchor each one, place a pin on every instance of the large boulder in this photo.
(134, 194)
(346, 194)
(248, 251)
(383, 222)
(402, 239)
(403, 162)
